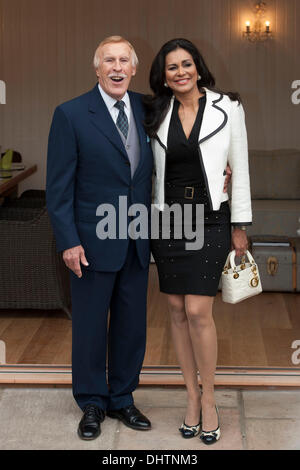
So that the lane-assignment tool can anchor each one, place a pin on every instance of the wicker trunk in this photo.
(32, 273)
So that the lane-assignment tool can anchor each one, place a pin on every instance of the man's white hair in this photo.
(115, 39)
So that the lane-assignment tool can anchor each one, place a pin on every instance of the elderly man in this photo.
(98, 151)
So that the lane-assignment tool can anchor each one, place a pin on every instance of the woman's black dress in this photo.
(184, 271)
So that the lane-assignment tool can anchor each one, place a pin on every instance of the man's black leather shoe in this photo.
(89, 426)
(132, 417)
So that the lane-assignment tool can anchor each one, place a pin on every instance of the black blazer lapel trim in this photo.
(160, 142)
(102, 120)
(225, 119)
(211, 134)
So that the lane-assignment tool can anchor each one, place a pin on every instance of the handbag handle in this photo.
(231, 256)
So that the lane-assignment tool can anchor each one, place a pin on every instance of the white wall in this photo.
(46, 50)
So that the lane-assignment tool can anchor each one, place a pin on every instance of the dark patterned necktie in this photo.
(122, 121)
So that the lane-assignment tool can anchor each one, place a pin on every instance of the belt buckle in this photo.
(190, 190)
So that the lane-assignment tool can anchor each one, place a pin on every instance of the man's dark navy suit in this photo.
(88, 166)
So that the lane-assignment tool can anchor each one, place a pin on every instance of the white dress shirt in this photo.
(110, 103)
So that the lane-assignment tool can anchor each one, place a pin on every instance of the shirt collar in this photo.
(110, 102)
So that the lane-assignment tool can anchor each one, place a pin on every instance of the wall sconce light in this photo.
(260, 31)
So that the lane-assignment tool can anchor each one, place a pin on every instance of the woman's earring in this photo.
(199, 77)
(166, 85)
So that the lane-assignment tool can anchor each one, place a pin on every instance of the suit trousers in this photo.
(108, 329)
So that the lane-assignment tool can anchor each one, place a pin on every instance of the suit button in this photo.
(127, 162)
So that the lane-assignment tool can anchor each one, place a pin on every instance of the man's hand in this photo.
(227, 179)
(73, 257)
(239, 241)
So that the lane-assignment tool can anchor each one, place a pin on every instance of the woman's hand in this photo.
(239, 241)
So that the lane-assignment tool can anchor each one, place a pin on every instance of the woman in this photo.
(196, 131)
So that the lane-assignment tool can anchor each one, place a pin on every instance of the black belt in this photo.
(187, 192)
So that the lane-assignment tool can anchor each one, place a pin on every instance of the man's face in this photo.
(115, 69)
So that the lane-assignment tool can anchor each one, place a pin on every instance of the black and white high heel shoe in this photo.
(210, 437)
(190, 431)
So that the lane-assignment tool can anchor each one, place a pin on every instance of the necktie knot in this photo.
(120, 105)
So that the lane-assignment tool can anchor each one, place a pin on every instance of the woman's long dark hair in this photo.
(156, 105)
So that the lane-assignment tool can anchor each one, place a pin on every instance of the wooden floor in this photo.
(257, 332)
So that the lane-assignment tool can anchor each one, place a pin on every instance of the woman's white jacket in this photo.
(222, 139)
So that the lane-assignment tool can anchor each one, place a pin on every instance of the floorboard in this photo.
(257, 332)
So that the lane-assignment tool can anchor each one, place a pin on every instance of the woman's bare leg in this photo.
(203, 336)
(185, 356)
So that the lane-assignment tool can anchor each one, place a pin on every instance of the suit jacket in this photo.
(87, 166)
(222, 139)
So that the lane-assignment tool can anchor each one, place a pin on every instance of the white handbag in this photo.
(242, 281)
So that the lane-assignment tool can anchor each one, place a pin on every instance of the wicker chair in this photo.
(29, 198)
(32, 274)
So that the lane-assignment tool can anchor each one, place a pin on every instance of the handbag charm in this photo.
(242, 281)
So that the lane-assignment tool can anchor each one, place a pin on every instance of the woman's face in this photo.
(180, 71)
